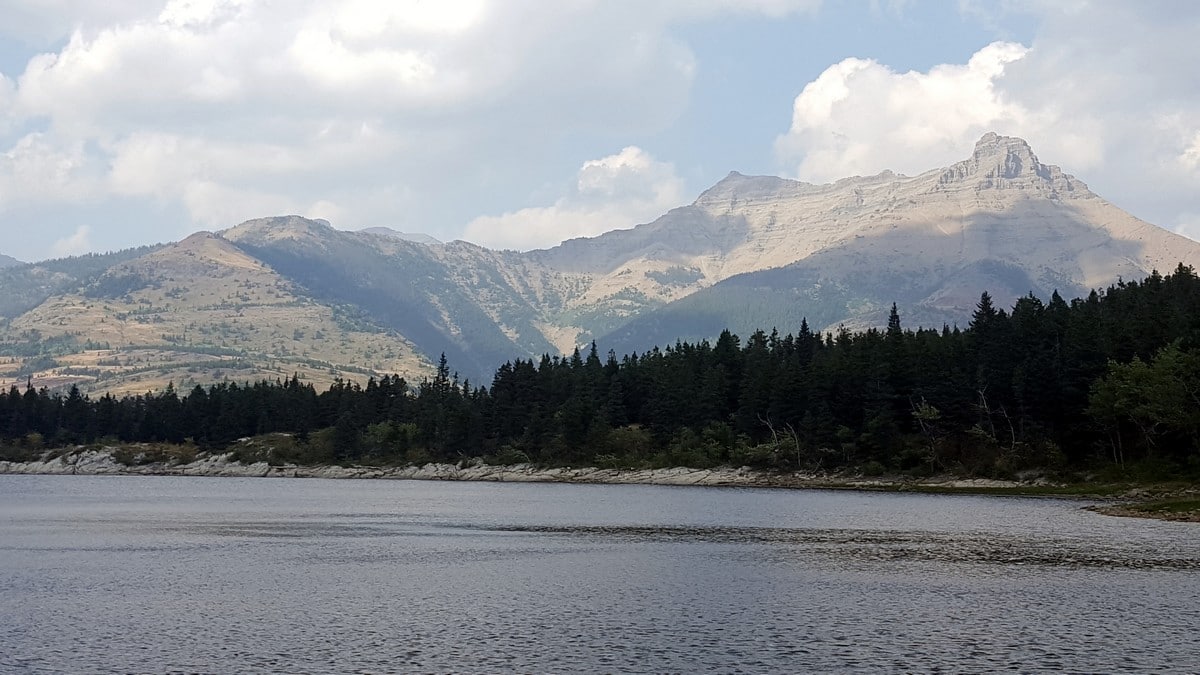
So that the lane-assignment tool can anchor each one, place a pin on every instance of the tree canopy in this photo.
(1110, 378)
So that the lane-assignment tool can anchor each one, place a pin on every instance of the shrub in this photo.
(510, 455)
(762, 456)
(417, 457)
(632, 443)
(607, 461)
(16, 453)
(873, 468)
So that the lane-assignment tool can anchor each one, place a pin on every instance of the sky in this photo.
(521, 123)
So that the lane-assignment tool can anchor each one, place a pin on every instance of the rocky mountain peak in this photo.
(1000, 162)
(738, 186)
(197, 239)
(1005, 157)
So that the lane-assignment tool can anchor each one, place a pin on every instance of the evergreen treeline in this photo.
(1108, 379)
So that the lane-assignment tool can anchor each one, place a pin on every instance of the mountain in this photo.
(477, 306)
(841, 253)
(9, 261)
(195, 312)
(287, 294)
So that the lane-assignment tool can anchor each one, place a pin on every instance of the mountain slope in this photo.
(458, 299)
(198, 311)
(27, 285)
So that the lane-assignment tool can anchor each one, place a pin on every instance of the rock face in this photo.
(751, 252)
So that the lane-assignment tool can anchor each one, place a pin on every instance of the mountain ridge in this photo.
(749, 252)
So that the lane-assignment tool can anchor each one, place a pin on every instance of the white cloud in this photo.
(381, 113)
(1188, 225)
(708, 8)
(389, 113)
(7, 94)
(364, 20)
(1190, 157)
(199, 13)
(322, 58)
(39, 168)
(215, 206)
(614, 192)
(165, 167)
(43, 22)
(1106, 90)
(75, 244)
(859, 116)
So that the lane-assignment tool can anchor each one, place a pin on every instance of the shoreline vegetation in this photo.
(1173, 501)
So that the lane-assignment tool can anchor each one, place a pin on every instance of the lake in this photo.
(174, 574)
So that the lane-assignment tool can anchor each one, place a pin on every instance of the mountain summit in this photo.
(750, 252)
(1006, 162)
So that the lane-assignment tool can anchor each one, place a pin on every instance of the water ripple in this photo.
(211, 576)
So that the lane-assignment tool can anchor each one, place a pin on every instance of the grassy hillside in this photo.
(195, 312)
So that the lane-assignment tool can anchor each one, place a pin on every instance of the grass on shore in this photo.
(1168, 506)
(1085, 489)
(1179, 510)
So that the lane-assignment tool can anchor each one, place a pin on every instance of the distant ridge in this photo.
(415, 237)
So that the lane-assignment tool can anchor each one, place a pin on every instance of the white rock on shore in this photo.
(102, 462)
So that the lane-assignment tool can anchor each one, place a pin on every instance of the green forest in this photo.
(1109, 381)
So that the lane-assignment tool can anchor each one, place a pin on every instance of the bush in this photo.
(873, 468)
(16, 453)
(757, 456)
(417, 457)
(694, 450)
(607, 461)
(389, 439)
(632, 444)
(508, 456)
(321, 447)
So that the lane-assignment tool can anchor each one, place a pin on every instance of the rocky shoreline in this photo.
(105, 462)
(92, 462)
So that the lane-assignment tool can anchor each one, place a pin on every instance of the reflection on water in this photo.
(216, 575)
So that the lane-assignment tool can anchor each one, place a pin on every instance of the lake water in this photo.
(165, 574)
